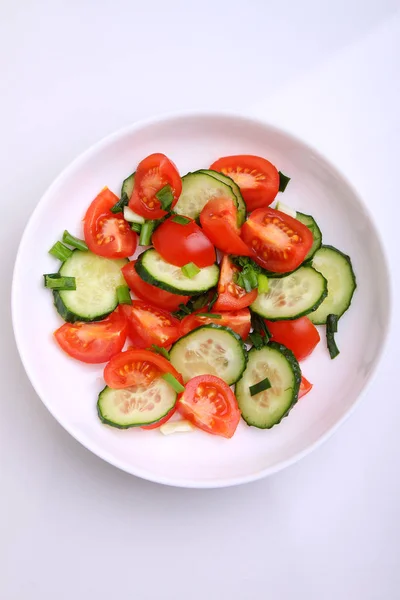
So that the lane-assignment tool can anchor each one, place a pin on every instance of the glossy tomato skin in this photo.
(210, 404)
(180, 244)
(257, 178)
(239, 321)
(150, 293)
(93, 342)
(137, 367)
(149, 325)
(305, 387)
(108, 234)
(230, 295)
(152, 174)
(300, 335)
(219, 221)
(278, 242)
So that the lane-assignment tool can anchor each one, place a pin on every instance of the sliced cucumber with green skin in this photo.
(137, 405)
(337, 269)
(241, 205)
(197, 189)
(97, 279)
(210, 350)
(293, 296)
(126, 193)
(152, 268)
(311, 224)
(268, 408)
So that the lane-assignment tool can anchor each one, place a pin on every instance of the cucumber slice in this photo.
(268, 408)
(197, 189)
(241, 205)
(127, 189)
(137, 405)
(152, 268)
(311, 224)
(97, 279)
(337, 269)
(212, 350)
(293, 296)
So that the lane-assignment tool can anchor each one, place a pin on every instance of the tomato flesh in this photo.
(210, 404)
(305, 387)
(256, 177)
(149, 325)
(231, 296)
(151, 293)
(278, 242)
(180, 244)
(137, 368)
(239, 321)
(219, 221)
(300, 335)
(108, 234)
(93, 342)
(152, 174)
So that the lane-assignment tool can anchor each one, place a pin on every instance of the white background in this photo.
(73, 527)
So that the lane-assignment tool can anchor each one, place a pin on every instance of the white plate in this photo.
(69, 389)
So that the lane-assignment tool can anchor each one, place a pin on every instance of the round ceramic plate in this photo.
(69, 389)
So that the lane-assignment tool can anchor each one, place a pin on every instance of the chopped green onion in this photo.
(185, 309)
(331, 329)
(60, 251)
(263, 285)
(210, 315)
(145, 233)
(213, 301)
(190, 270)
(283, 181)
(260, 327)
(136, 227)
(73, 241)
(166, 197)
(159, 350)
(55, 281)
(199, 301)
(123, 295)
(119, 206)
(180, 220)
(261, 386)
(256, 339)
(173, 382)
(247, 279)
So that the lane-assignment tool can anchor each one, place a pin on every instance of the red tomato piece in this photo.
(210, 404)
(279, 243)
(300, 335)
(219, 221)
(180, 244)
(257, 178)
(153, 173)
(137, 367)
(161, 421)
(231, 296)
(149, 325)
(93, 342)
(305, 387)
(108, 234)
(151, 293)
(238, 320)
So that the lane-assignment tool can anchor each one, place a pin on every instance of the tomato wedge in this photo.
(149, 325)
(257, 178)
(93, 342)
(305, 387)
(108, 234)
(299, 335)
(219, 221)
(238, 320)
(180, 244)
(279, 242)
(151, 293)
(153, 173)
(231, 296)
(210, 404)
(137, 367)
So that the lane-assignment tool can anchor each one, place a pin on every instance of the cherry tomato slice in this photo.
(108, 234)
(93, 342)
(153, 173)
(180, 244)
(231, 296)
(305, 387)
(149, 325)
(257, 178)
(151, 293)
(279, 243)
(210, 404)
(219, 221)
(299, 335)
(137, 367)
(238, 320)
